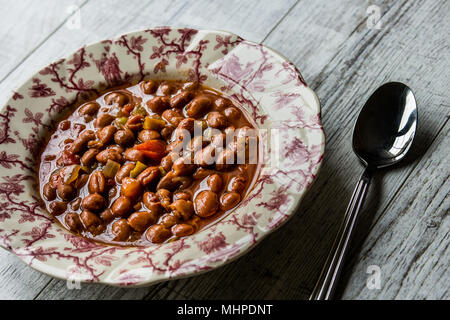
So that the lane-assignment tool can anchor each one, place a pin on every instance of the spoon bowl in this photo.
(386, 126)
(383, 134)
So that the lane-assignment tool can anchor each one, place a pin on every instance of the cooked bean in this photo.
(88, 157)
(206, 156)
(164, 197)
(152, 203)
(172, 182)
(206, 203)
(95, 144)
(112, 192)
(137, 206)
(245, 131)
(202, 173)
(89, 219)
(107, 215)
(57, 207)
(134, 155)
(166, 132)
(149, 87)
(81, 181)
(197, 143)
(124, 137)
(116, 98)
(90, 108)
(124, 171)
(184, 130)
(167, 182)
(227, 156)
(175, 146)
(146, 135)
(68, 141)
(49, 192)
(184, 207)
(75, 204)
(122, 206)
(183, 166)
(134, 123)
(66, 191)
(190, 86)
(158, 234)
(181, 99)
(103, 120)
(73, 222)
(149, 198)
(229, 200)
(149, 175)
(121, 230)
(49, 157)
(181, 195)
(158, 104)
(172, 116)
(97, 183)
(222, 103)
(237, 184)
(108, 154)
(219, 140)
(78, 128)
(80, 143)
(106, 134)
(198, 106)
(64, 125)
(167, 162)
(232, 113)
(140, 221)
(215, 183)
(230, 130)
(163, 194)
(166, 88)
(131, 188)
(116, 148)
(216, 120)
(93, 202)
(182, 230)
(170, 219)
(187, 124)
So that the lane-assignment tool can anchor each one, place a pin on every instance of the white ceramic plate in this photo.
(268, 86)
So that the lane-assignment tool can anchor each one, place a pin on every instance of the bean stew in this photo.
(148, 163)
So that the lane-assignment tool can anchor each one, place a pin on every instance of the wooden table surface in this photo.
(343, 54)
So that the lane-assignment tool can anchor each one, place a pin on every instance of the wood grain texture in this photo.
(404, 226)
(26, 25)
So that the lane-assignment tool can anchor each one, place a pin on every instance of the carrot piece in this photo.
(157, 146)
(153, 149)
(153, 155)
(128, 108)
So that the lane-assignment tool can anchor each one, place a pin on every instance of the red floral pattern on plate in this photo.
(268, 86)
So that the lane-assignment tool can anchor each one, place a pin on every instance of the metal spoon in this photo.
(383, 134)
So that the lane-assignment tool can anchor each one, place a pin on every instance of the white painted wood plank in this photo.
(18, 281)
(25, 24)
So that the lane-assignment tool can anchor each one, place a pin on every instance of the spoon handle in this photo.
(330, 273)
